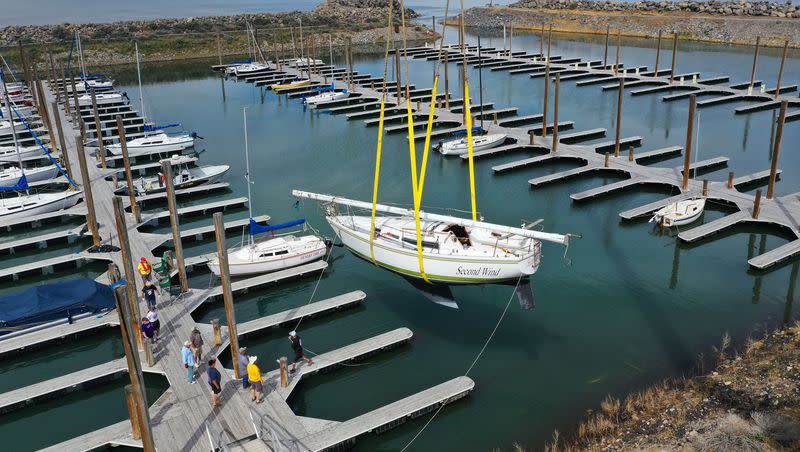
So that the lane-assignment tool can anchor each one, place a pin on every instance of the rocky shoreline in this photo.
(712, 7)
(644, 19)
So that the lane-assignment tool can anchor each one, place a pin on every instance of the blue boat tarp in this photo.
(56, 301)
(22, 184)
(149, 127)
(256, 228)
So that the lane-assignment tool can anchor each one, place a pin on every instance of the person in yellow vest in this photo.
(254, 375)
(145, 269)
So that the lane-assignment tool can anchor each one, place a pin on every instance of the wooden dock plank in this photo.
(562, 175)
(605, 189)
(393, 414)
(651, 207)
(300, 312)
(713, 227)
(503, 150)
(522, 163)
(118, 434)
(760, 176)
(775, 256)
(36, 339)
(68, 236)
(46, 266)
(206, 188)
(669, 151)
(609, 145)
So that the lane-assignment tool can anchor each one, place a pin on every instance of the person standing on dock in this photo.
(146, 270)
(152, 317)
(244, 360)
(188, 360)
(214, 380)
(148, 332)
(254, 375)
(197, 346)
(149, 292)
(297, 347)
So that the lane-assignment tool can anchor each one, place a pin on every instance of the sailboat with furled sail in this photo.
(276, 253)
(434, 251)
(15, 181)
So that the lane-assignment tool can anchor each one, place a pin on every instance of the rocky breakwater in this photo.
(353, 15)
(715, 21)
(717, 8)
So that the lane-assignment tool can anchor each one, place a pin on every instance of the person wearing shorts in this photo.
(297, 347)
(214, 380)
(243, 361)
(254, 375)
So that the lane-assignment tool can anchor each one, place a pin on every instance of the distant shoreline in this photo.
(741, 30)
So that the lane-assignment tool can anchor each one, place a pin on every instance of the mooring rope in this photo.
(474, 361)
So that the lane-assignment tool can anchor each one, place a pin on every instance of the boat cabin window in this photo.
(267, 254)
(459, 233)
(278, 253)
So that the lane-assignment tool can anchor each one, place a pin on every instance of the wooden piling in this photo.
(776, 150)
(446, 84)
(605, 160)
(631, 154)
(757, 204)
(616, 63)
(397, 93)
(227, 294)
(688, 155)
(128, 176)
(62, 140)
(91, 217)
(546, 92)
(148, 353)
(63, 73)
(730, 179)
(674, 57)
(755, 61)
(658, 54)
(138, 395)
(620, 96)
(113, 273)
(549, 42)
(554, 146)
(127, 264)
(133, 414)
(101, 148)
(45, 115)
(77, 107)
(216, 331)
(780, 71)
(541, 42)
(510, 42)
(284, 374)
(166, 169)
(605, 49)
(531, 134)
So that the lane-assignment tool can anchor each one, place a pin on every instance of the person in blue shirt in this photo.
(214, 380)
(188, 360)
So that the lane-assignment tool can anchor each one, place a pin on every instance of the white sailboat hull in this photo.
(679, 213)
(325, 97)
(249, 260)
(479, 143)
(29, 205)
(443, 266)
(10, 177)
(140, 146)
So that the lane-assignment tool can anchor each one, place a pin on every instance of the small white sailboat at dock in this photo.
(679, 213)
(273, 254)
(154, 143)
(185, 177)
(325, 96)
(479, 143)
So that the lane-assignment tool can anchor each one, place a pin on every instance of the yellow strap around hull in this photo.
(412, 153)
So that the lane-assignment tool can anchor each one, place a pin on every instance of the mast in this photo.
(80, 54)
(247, 169)
(139, 74)
(301, 39)
(480, 79)
(11, 121)
(561, 239)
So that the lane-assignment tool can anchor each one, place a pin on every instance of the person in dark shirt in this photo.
(297, 347)
(214, 380)
(147, 330)
(149, 292)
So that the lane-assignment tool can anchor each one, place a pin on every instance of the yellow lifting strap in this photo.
(427, 147)
(415, 188)
(377, 178)
(469, 148)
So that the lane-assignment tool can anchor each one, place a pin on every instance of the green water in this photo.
(627, 307)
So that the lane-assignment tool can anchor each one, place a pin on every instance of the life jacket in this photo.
(144, 268)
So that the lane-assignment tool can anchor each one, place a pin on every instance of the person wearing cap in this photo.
(145, 269)
(188, 360)
(149, 292)
(243, 361)
(197, 346)
(297, 347)
(152, 317)
(148, 332)
(214, 380)
(254, 375)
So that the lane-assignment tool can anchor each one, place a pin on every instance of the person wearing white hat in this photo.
(188, 360)
(254, 375)
(297, 347)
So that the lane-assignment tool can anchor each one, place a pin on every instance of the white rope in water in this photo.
(316, 285)
(474, 362)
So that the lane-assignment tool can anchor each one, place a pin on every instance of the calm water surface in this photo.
(627, 307)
